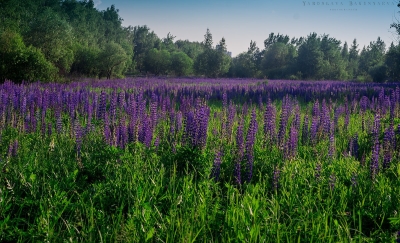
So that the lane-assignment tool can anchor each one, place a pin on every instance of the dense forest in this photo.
(51, 40)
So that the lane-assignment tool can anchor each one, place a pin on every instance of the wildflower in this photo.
(332, 181)
(374, 166)
(318, 171)
(78, 137)
(354, 180)
(276, 177)
(216, 170)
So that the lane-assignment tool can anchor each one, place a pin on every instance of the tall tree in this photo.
(208, 42)
(143, 41)
(54, 37)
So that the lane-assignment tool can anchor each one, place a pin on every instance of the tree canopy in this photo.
(55, 39)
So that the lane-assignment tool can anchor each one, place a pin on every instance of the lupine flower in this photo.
(13, 149)
(216, 170)
(102, 106)
(318, 171)
(250, 139)
(78, 137)
(354, 180)
(157, 142)
(237, 172)
(240, 151)
(354, 146)
(389, 142)
(374, 166)
(269, 123)
(282, 126)
(377, 126)
(304, 134)
(275, 182)
(332, 181)
(313, 130)
(107, 130)
(332, 149)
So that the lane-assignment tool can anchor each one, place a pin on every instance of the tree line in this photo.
(51, 40)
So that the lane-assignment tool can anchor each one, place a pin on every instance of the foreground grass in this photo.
(49, 194)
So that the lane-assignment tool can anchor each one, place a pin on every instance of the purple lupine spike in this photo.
(78, 137)
(377, 126)
(374, 166)
(131, 130)
(102, 106)
(58, 120)
(293, 141)
(202, 126)
(332, 147)
(317, 173)
(224, 101)
(276, 177)
(49, 129)
(147, 133)
(313, 130)
(297, 118)
(398, 237)
(107, 130)
(389, 141)
(157, 142)
(304, 134)
(231, 118)
(282, 126)
(364, 103)
(122, 133)
(250, 139)
(237, 172)
(172, 125)
(332, 181)
(240, 151)
(260, 102)
(179, 119)
(13, 148)
(216, 170)
(153, 111)
(113, 107)
(354, 146)
(354, 180)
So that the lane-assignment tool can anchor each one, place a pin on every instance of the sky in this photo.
(240, 21)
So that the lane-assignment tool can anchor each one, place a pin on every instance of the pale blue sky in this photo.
(240, 21)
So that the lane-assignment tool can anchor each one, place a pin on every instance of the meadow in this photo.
(200, 160)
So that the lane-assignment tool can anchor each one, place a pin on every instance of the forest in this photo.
(59, 40)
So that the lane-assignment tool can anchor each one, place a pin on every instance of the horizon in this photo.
(239, 23)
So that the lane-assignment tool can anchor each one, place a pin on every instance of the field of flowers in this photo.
(200, 160)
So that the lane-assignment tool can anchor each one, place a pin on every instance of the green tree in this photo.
(192, 49)
(112, 60)
(54, 37)
(276, 60)
(181, 64)
(18, 62)
(143, 42)
(333, 65)
(243, 66)
(157, 62)
(310, 57)
(393, 62)
(212, 62)
(352, 67)
(208, 42)
(372, 61)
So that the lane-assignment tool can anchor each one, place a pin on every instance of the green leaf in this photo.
(32, 177)
(150, 234)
